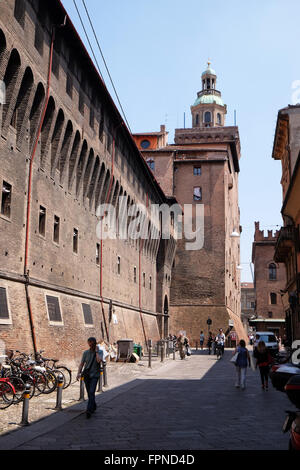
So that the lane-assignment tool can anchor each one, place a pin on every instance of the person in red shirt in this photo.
(263, 361)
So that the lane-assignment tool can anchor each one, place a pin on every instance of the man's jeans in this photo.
(91, 385)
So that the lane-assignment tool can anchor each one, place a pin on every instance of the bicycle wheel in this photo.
(6, 395)
(67, 374)
(51, 382)
(19, 387)
(40, 381)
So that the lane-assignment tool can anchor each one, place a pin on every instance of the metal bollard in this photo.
(81, 396)
(59, 389)
(100, 381)
(174, 352)
(25, 410)
(196, 345)
(150, 353)
(162, 351)
(105, 383)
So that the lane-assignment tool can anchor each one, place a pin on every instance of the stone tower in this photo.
(209, 109)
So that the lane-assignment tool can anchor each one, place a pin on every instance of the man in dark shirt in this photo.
(91, 363)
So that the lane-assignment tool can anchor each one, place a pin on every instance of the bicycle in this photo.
(7, 393)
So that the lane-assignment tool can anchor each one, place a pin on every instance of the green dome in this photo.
(209, 71)
(209, 99)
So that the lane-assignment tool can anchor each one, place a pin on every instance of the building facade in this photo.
(201, 170)
(287, 149)
(65, 151)
(269, 284)
(248, 300)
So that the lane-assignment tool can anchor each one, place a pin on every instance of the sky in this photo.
(156, 51)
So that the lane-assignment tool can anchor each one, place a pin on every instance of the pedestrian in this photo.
(181, 346)
(202, 338)
(242, 362)
(210, 342)
(220, 339)
(91, 363)
(263, 361)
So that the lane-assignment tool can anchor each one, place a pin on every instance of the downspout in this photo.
(26, 270)
(140, 286)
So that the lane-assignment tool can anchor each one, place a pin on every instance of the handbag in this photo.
(86, 372)
(234, 358)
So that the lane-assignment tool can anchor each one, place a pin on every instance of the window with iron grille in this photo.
(53, 309)
(87, 314)
(272, 272)
(4, 312)
(197, 170)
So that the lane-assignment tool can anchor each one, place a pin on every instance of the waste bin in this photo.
(137, 349)
(125, 349)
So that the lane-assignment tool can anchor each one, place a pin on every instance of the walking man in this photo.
(91, 373)
(202, 338)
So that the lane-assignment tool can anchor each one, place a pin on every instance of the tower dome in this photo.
(209, 109)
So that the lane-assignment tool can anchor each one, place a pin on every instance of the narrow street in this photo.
(189, 404)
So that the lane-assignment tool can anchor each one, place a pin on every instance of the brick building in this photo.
(287, 149)
(269, 282)
(65, 150)
(248, 299)
(202, 168)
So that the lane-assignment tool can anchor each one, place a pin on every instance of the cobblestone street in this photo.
(189, 404)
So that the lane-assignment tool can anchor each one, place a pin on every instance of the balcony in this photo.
(285, 243)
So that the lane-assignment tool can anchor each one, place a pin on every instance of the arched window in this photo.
(197, 120)
(219, 119)
(272, 272)
(207, 117)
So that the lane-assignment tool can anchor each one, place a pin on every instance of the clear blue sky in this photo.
(156, 51)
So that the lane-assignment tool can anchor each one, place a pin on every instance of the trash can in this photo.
(125, 349)
(137, 349)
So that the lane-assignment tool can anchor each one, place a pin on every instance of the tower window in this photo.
(151, 164)
(6, 199)
(19, 12)
(150, 283)
(4, 312)
(145, 144)
(197, 119)
(87, 314)
(56, 229)
(219, 119)
(144, 280)
(270, 314)
(69, 84)
(98, 254)
(134, 275)
(273, 298)
(272, 272)
(197, 193)
(208, 83)
(42, 221)
(119, 265)
(54, 312)
(207, 117)
(75, 240)
(39, 39)
(197, 170)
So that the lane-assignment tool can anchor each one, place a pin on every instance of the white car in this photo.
(269, 339)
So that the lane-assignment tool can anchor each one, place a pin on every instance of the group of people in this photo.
(213, 341)
(262, 360)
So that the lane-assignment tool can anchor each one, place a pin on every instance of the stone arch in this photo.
(65, 150)
(99, 186)
(73, 158)
(46, 129)
(10, 79)
(55, 140)
(2, 48)
(88, 172)
(35, 113)
(92, 185)
(81, 166)
(21, 105)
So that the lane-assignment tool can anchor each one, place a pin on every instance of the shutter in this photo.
(53, 309)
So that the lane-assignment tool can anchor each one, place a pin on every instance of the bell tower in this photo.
(209, 109)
